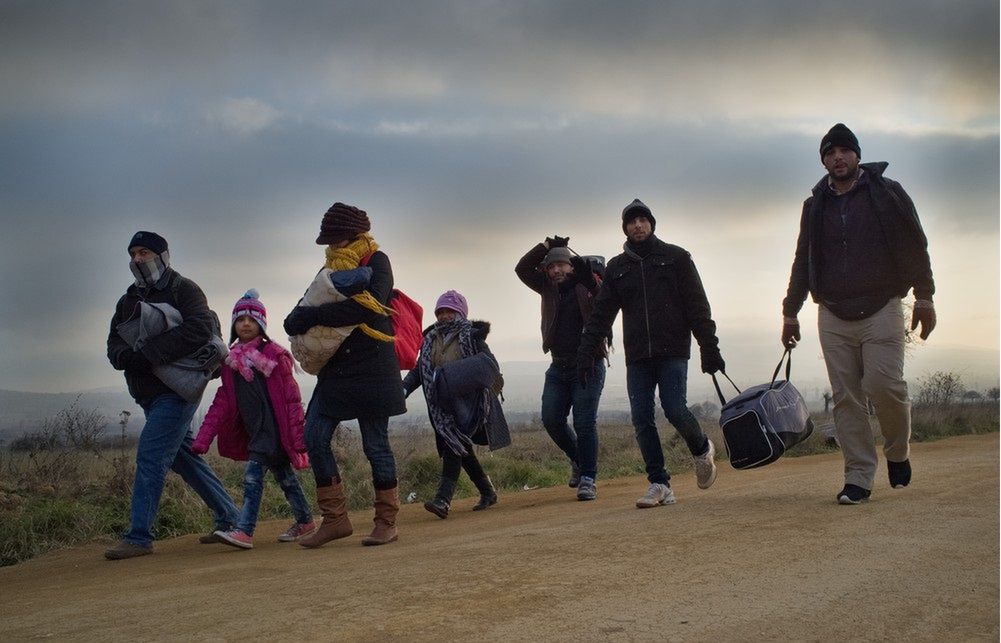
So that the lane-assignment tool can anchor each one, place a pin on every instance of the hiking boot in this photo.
(125, 549)
(705, 467)
(586, 489)
(438, 506)
(236, 538)
(486, 501)
(574, 475)
(657, 494)
(209, 539)
(296, 531)
(853, 495)
(900, 473)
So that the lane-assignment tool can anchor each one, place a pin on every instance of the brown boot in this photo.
(387, 505)
(333, 505)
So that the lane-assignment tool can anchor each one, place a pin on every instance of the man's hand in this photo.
(790, 332)
(712, 361)
(924, 314)
(559, 242)
(583, 271)
(585, 370)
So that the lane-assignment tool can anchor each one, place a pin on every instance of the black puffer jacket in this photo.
(193, 333)
(896, 217)
(663, 304)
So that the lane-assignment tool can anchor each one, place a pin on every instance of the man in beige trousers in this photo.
(860, 250)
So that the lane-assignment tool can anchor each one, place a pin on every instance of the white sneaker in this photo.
(657, 494)
(705, 467)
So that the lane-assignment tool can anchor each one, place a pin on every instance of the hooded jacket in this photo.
(663, 304)
(895, 216)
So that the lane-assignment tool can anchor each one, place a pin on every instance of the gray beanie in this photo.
(557, 254)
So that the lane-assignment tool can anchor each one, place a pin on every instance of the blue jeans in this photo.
(561, 392)
(253, 487)
(163, 445)
(670, 376)
(374, 441)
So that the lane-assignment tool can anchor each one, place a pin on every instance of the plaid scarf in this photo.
(149, 272)
(443, 421)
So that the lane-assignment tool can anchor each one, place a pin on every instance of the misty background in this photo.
(469, 131)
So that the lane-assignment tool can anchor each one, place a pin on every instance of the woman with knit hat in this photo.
(461, 379)
(257, 414)
(361, 381)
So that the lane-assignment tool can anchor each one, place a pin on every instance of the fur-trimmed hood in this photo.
(481, 328)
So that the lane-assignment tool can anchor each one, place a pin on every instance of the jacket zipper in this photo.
(646, 311)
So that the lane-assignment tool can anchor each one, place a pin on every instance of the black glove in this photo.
(301, 319)
(790, 333)
(134, 360)
(583, 271)
(924, 315)
(712, 361)
(559, 242)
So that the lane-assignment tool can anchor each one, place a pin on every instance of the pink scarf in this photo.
(245, 356)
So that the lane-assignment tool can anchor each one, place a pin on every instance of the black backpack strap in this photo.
(719, 392)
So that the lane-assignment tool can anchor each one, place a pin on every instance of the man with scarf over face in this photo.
(166, 438)
(663, 304)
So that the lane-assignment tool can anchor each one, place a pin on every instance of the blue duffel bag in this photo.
(762, 422)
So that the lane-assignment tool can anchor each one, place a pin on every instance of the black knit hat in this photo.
(840, 136)
(637, 209)
(150, 240)
(342, 222)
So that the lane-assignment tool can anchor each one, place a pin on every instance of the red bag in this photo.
(408, 325)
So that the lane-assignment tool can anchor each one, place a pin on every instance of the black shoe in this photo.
(574, 476)
(438, 506)
(900, 473)
(486, 501)
(853, 495)
(125, 549)
(209, 539)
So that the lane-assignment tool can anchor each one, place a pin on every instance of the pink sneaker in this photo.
(297, 531)
(236, 538)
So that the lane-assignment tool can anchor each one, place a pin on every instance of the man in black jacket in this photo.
(663, 304)
(166, 437)
(567, 287)
(860, 250)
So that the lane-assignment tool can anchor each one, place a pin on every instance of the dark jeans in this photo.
(163, 445)
(670, 376)
(374, 441)
(253, 488)
(561, 392)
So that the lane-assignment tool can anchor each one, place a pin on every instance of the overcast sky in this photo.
(470, 131)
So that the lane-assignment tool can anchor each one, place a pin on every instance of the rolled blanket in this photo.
(319, 343)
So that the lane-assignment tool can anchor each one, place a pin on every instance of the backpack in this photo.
(407, 320)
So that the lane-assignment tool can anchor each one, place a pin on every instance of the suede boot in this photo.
(442, 501)
(333, 505)
(387, 505)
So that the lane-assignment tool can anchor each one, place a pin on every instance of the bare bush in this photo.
(940, 389)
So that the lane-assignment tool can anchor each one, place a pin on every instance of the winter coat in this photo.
(362, 379)
(223, 418)
(492, 429)
(663, 304)
(194, 332)
(896, 217)
(531, 275)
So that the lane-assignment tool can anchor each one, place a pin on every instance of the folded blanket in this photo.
(319, 343)
(187, 376)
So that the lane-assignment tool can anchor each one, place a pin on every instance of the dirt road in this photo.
(764, 554)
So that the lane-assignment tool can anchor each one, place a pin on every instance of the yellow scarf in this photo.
(348, 258)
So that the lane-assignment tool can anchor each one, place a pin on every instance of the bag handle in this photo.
(719, 392)
(787, 353)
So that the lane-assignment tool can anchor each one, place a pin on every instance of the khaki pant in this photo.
(865, 360)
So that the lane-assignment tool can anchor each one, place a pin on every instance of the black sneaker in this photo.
(125, 549)
(900, 473)
(209, 539)
(853, 495)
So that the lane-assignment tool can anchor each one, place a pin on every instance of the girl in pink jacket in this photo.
(257, 414)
